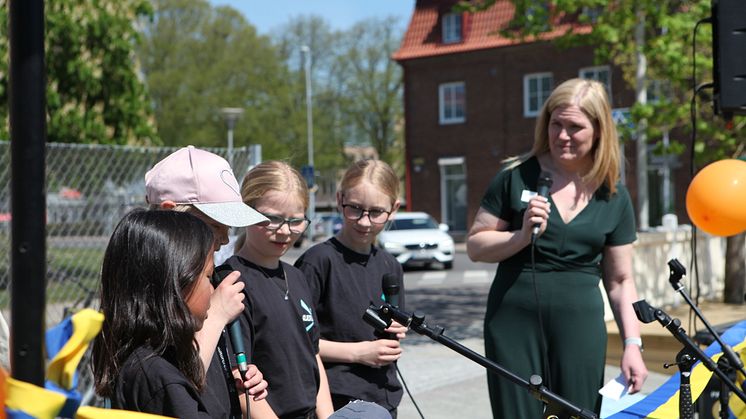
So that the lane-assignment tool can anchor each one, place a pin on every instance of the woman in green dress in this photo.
(546, 318)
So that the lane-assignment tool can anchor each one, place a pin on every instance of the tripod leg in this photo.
(685, 360)
(724, 395)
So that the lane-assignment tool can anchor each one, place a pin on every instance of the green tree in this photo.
(93, 93)
(328, 134)
(669, 35)
(370, 84)
(357, 87)
(197, 59)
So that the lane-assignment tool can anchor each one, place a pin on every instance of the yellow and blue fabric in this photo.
(65, 344)
(663, 403)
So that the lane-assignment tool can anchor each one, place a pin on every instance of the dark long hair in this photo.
(150, 264)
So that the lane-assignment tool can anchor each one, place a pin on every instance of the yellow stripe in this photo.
(32, 400)
(699, 379)
(735, 404)
(87, 412)
(86, 325)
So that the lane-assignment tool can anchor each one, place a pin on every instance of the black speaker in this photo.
(729, 55)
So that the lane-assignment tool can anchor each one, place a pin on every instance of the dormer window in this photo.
(451, 28)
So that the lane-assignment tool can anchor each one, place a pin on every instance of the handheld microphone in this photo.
(543, 185)
(390, 285)
(234, 327)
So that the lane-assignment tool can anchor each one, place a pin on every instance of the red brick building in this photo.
(470, 100)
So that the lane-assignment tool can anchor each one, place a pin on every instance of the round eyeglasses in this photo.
(354, 213)
(296, 225)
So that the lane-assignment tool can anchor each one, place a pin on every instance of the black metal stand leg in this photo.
(724, 396)
(557, 407)
(685, 361)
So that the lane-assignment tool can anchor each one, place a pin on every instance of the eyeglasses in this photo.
(354, 213)
(296, 225)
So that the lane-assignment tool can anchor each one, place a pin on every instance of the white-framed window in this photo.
(451, 28)
(536, 90)
(452, 103)
(601, 74)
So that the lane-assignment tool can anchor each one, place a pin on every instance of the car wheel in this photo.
(448, 265)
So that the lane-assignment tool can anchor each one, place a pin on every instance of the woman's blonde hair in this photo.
(271, 175)
(376, 172)
(590, 96)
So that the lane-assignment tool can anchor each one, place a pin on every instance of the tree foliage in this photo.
(93, 91)
(357, 87)
(328, 132)
(196, 60)
(669, 41)
(371, 85)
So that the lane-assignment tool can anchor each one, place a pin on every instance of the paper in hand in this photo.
(615, 389)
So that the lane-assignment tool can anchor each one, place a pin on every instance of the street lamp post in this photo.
(231, 115)
(306, 51)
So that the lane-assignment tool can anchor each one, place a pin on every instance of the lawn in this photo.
(72, 273)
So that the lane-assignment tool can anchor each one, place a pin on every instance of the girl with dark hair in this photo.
(155, 293)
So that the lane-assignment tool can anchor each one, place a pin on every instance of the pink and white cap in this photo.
(203, 179)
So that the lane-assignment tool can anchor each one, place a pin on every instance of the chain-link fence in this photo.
(89, 189)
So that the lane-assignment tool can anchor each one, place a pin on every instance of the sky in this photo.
(267, 15)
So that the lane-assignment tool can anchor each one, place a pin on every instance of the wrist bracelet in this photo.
(633, 341)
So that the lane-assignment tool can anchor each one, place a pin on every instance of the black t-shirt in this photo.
(281, 335)
(216, 395)
(344, 284)
(149, 383)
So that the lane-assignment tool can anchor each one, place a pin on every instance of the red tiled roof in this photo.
(480, 30)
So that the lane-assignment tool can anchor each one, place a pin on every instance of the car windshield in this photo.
(413, 224)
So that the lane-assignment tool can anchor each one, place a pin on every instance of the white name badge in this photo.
(526, 195)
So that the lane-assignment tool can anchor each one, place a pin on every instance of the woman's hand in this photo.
(537, 212)
(377, 353)
(633, 368)
(226, 302)
(397, 329)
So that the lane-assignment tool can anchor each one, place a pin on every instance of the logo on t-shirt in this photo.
(307, 317)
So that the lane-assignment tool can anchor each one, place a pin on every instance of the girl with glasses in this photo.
(360, 363)
(279, 324)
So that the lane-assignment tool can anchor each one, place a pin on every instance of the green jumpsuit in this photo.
(568, 269)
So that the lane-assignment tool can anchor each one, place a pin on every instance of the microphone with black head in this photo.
(234, 327)
(390, 285)
(542, 189)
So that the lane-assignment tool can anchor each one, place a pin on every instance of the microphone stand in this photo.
(677, 272)
(647, 314)
(560, 408)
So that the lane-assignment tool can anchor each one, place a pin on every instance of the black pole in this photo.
(676, 272)
(28, 204)
(557, 407)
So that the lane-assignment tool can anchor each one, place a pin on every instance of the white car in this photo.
(415, 238)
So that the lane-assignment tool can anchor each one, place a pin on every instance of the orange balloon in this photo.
(716, 198)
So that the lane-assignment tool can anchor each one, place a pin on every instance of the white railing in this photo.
(654, 249)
